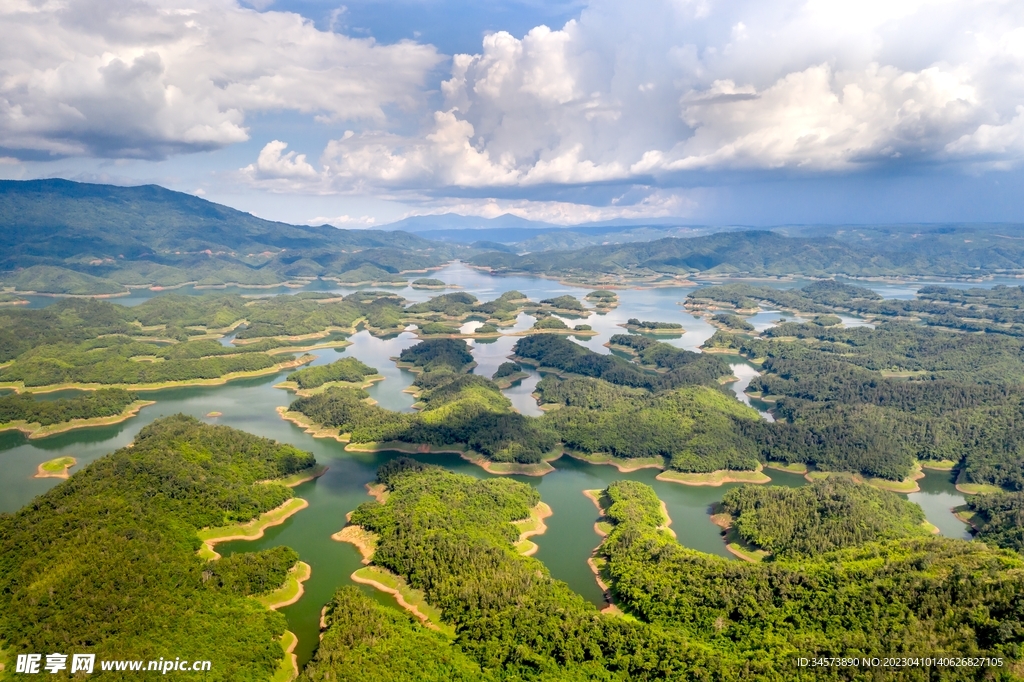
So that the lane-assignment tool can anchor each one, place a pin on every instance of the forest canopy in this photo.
(119, 539)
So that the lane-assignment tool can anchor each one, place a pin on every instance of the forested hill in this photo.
(762, 253)
(106, 562)
(103, 237)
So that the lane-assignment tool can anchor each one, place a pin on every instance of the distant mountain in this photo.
(454, 221)
(960, 251)
(59, 236)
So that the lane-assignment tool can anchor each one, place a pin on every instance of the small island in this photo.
(344, 372)
(509, 373)
(56, 468)
(730, 322)
(657, 328)
(603, 300)
(430, 283)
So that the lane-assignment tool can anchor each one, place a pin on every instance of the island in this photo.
(656, 328)
(56, 468)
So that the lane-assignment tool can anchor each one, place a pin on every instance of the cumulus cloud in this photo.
(662, 90)
(144, 79)
(273, 165)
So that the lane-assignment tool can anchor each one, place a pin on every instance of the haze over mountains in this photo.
(64, 237)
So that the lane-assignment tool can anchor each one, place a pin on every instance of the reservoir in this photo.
(250, 405)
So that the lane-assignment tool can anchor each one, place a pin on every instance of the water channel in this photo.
(251, 405)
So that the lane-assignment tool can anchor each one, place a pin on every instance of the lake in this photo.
(251, 405)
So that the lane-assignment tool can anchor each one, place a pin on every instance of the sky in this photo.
(751, 112)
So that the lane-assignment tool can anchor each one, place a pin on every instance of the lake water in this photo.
(251, 405)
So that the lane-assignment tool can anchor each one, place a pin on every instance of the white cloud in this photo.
(671, 88)
(273, 165)
(656, 204)
(120, 78)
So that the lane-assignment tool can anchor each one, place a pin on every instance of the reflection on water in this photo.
(746, 373)
(937, 497)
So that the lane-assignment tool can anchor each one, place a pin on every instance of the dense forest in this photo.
(689, 615)
(999, 519)
(899, 597)
(106, 562)
(875, 400)
(827, 515)
(450, 535)
(106, 402)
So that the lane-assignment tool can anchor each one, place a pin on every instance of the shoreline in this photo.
(975, 488)
(623, 464)
(288, 670)
(531, 526)
(39, 431)
(299, 477)
(734, 544)
(250, 530)
(365, 541)
(293, 387)
(300, 420)
(906, 486)
(19, 387)
(716, 478)
(402, 592)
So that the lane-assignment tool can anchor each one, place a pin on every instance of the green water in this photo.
(251, 405)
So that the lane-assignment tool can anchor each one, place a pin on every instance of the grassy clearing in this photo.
(794, 468)
(410, 599)
(292, 589)
(56, 468)
(289, 667)
(251, 530)
(943, 465)
(975, 488)
(623, 464)
(716, 478)
(533, 525)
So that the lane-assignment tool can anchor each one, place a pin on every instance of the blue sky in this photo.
(357, 114)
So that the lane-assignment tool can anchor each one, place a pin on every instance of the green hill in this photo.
(763, 253)
(94, 239)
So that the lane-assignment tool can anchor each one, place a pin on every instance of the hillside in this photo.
(67, 237)
(967, 252)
